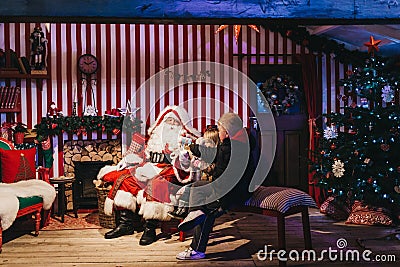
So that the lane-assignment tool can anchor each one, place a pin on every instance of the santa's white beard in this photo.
(162, 135)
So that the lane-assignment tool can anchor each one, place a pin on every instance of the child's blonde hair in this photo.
(211, 137)
(212, 134)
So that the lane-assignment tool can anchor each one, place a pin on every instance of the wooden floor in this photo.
(236, 240)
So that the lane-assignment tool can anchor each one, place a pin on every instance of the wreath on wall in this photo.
(282, 94)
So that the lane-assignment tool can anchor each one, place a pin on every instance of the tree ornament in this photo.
(349, 194)
(368, 161)
(370, 180)
(330, 132)
(323, 152)
(387, 94)
(397, 189)
(385, 147)
(338, 168)
(333, 146)
(364, 102)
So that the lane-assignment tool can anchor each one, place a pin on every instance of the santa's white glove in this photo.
(106, 169)
(147, 172)
(133, 159)
(121, 165)
(128, 160)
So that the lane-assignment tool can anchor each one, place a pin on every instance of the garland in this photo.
(316, 43)
(82, 125)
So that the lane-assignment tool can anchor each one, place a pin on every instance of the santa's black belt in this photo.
(158, 157)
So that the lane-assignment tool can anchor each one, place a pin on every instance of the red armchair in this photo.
(28, 205)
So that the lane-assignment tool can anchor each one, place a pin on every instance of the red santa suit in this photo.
(138, 180)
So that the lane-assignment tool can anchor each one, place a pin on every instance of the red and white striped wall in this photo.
(129, 54)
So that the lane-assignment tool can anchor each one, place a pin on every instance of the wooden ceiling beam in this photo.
(321, 29)
(382, 30)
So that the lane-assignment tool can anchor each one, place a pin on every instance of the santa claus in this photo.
(144, 183)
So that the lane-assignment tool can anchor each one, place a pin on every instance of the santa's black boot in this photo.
(138, 222)
(149, 234)
(124, 225)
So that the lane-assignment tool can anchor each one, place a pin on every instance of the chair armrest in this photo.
(44, 174)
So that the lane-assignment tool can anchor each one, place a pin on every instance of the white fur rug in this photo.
(9, 203)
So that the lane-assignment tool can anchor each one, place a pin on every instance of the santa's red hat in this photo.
(178, 113)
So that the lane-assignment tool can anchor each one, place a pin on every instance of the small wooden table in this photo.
(61, 184)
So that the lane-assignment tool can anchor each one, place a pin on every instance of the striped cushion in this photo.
(279, 198)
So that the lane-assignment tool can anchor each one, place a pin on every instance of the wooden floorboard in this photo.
(236, 240)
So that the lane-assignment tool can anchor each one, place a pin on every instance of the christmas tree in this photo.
(358, 157)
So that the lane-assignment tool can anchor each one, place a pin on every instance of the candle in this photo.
(75, 94)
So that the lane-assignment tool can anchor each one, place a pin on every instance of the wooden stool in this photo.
(280, 202)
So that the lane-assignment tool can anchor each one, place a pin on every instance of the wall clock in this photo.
(88, 64)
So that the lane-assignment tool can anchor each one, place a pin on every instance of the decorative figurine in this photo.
(52, 110)
(38, 49)
(90, 111)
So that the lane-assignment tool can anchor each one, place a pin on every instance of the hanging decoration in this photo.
(330, 132)
(282, 94)
(316, 43)
(236, 29)
(387, 94)
(338, 168)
